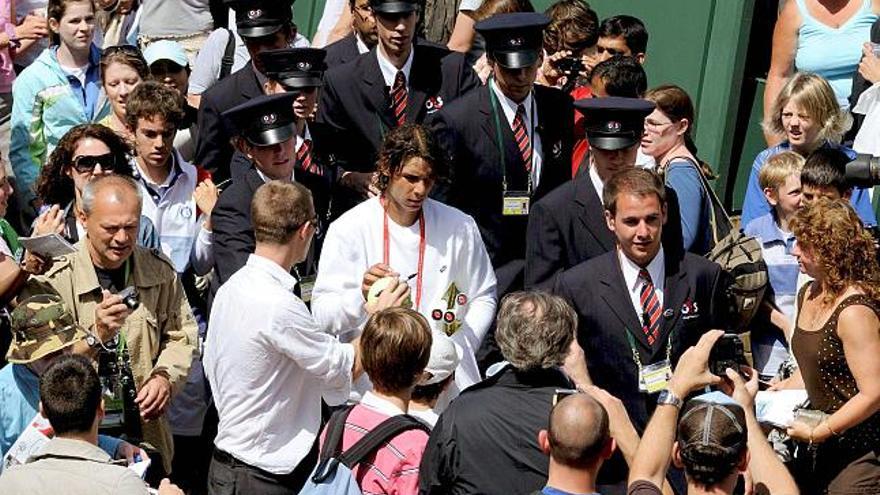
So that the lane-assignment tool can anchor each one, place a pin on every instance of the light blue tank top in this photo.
(833, 53)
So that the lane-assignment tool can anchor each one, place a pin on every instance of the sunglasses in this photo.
(129, 50)
(87, 163)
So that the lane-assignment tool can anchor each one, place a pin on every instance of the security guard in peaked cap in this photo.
(514, 40)
(394, 7)
(41, 325)
(263, 121)
(295, 68)
(258, 18)
(614, 123)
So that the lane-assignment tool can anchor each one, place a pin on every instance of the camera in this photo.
(728, 352)
(130, 298)
(863, 171)
(570, 66)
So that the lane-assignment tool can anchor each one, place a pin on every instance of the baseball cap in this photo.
(712, 432)
(166, 50)
(443, 360)
(41, 325)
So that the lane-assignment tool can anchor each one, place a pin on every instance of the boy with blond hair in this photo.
(780, 180)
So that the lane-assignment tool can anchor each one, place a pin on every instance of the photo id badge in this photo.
(516, 203)
(306, 284)
(655, 377)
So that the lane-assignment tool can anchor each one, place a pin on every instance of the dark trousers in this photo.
(229, 476)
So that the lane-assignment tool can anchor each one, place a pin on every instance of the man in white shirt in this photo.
(437, 249)
(268, 362)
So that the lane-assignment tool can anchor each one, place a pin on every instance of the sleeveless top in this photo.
(833, 53)
(827, 376)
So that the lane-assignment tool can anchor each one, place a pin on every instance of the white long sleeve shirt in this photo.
(269, 364)
(456, 266)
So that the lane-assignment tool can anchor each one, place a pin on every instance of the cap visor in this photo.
(302, 82)
(271, 136)
(611, 143)
(258, 31)
(515, 60)
(395, 8)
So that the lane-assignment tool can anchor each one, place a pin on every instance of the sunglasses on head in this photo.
(125, 49)
(87, 163)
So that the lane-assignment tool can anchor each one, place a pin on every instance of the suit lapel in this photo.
(616, 296)
(423, 82)
(590, 212)
(250, 87)
(375, 90)
(551, 141)
(675, 293)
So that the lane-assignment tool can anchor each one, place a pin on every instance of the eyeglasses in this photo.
(86, 163)
(129, 50)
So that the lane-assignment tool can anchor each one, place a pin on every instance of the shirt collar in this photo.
(598, 185)
(389, 71)
(656, 269)
(272, 269)
(767, 230)
(301, 138)
(509, 106)
(68, 447)
(173, 174)
(361, 46)
(265, 178)
(381, 405)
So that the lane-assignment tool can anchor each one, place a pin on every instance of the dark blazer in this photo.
(355, 102)
(694, 302)
(213, 148)
(467, 129)
(568, 227)
(341, 51)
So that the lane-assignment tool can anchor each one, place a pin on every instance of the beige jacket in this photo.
(162, 335)
(71, 467)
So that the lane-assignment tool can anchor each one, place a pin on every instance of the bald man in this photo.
(578, 440)
(159, 335)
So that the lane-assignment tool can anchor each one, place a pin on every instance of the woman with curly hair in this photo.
(401, 233)
(807, 115)
(83, 153)
(836, 342)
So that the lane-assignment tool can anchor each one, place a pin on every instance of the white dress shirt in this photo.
(531, 123)
(361, 46)
(269, 365)
(300, 139)
(454, 255)
(656, 269)
(389, 71)
(598, 185)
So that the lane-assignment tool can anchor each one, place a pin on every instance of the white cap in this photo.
(444, 359)
(166, 50)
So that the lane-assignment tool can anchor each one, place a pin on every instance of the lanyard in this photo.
(122, 344)
(635, 353)
(386, 249)
(493, 99)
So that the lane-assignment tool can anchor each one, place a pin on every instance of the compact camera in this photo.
(130, 298)
(728, 352)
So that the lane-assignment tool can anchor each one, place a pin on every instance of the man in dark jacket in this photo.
(362, 39)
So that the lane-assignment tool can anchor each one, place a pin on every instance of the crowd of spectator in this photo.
(441, 248)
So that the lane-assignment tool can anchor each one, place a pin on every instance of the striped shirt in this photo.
(394, 468)
(769, 347)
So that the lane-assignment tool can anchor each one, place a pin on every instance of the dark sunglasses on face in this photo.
(87, 163)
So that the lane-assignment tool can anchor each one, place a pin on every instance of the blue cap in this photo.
(263, 121)
(294, 68)
(166, 50)
(614, 123)
(514, 40)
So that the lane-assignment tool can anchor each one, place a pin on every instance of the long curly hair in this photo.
(54, 186)
(406, 142)
(831, 232)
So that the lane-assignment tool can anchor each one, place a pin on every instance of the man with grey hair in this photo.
(486, 441)
(144, 343)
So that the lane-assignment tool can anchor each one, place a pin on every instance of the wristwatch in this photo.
(668, 398)
(93, 341)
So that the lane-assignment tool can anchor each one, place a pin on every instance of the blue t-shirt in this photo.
(693, 204)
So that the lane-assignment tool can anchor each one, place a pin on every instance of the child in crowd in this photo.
(397, 345)
(780, 179)
(824, 176)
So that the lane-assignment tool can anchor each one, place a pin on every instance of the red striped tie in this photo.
(651, 307)
(522, 138)
(398, 98)
(304, 158)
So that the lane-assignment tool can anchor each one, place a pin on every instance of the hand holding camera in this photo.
(112, 311)
(692, 371)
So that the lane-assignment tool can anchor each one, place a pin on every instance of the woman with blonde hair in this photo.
(836, 342)
(807, 114)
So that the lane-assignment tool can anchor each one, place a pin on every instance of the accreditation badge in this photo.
(515, 203)
(655, 377)
(306, 284)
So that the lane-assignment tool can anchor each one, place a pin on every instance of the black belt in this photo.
(297, 477)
